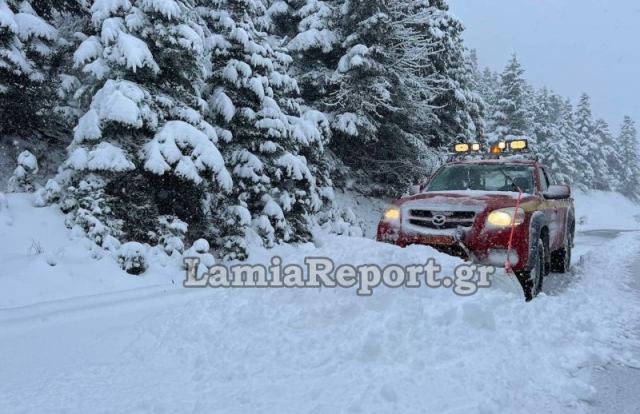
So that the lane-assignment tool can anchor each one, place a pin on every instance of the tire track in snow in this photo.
(124, 300)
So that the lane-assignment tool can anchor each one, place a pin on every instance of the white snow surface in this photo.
(604, 210)
(79, 335)
(7, 17)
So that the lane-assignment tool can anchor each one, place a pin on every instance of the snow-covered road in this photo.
(149, 346)
(618, 385)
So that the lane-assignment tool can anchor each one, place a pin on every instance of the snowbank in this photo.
(41, 260)
(602, 210)
(398, 351)
(368, 211)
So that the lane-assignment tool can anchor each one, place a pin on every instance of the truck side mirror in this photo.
(557, 192)
(415, 189)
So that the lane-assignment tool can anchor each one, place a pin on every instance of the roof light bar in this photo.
(518, 144)
(466, 148)
(461, 148)
(496, 150)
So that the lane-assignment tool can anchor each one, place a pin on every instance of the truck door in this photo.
(556, 219)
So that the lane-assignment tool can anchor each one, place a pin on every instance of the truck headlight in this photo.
(392, 214)
(505, 217)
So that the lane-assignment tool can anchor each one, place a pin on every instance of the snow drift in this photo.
(119, 343)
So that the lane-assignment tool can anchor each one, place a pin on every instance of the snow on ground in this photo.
(43, 261)
(599, 210)
(82, 336)
(367, 210)
(618, 385)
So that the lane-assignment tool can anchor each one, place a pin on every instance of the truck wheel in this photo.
(561, 258)
(531, 280)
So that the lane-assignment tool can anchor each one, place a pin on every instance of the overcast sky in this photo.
(571, 46)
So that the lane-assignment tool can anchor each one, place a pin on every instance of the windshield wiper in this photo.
(511, 181)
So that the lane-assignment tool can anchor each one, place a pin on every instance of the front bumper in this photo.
(477, 244)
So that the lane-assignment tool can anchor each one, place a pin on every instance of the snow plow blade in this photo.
(507, 282)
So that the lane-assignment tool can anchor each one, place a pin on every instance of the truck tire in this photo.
(561, 258)
(531, 280)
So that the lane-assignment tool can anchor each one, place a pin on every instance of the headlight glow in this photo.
(392, 214)
(505, 217)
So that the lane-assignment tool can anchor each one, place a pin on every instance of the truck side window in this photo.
(549, 177)
(544, 180)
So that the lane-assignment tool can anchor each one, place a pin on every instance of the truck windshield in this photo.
(483, 177)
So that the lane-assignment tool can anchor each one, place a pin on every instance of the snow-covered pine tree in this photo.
(27, 45)
(369, 65)
(543, 127)
(588, 151)
(30, 49)
(557, 149)
(627, 144)
(511, 115)
(474, 68)
(311, 32)
(141, 150)
(265, 134)
(307, 29)
(70, 18)
(23, 176)
(459, 108)
(380, 69)
(609, 162)
(365, 83)
(475, 85)
(530, 103)
(382, 103)
(488, 84)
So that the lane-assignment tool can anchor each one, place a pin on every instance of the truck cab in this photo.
(503, 209)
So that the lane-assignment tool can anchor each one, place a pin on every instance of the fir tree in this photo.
(27, 48)
(23, 176)
(394, 77)
(141, 150)
(627, 143)
(603, 157)
(488, 84)
(556, 149)
(546, 109)
(459, 108)
(382, 104)
(511, 115)
(251, 99)
(587, 151)
(611, 157)
(314, 39)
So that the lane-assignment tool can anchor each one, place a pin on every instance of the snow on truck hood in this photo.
(476, 200)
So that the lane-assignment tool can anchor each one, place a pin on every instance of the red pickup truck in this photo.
(504, 210)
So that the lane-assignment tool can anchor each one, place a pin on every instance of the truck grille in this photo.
(441, 219)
